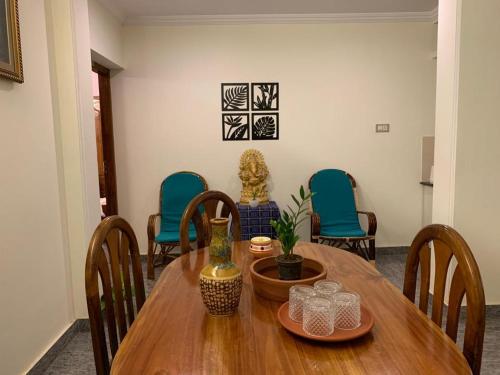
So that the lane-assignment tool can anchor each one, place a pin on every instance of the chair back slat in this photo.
(457, 292)
(425, 277)
(107, 288)
(94, 308)
(113, 253)
(127, 285)
(116, 275)
(442, 258)
(466, 280)
(210, 201)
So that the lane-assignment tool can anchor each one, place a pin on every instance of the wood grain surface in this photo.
(173, 334)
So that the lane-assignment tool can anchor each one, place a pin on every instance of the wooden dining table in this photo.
(174, 334)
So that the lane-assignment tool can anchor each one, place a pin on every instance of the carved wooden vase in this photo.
(220, 280)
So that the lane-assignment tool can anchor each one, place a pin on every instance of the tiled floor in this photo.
(76, 357)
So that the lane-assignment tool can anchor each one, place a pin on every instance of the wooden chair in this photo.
(209, 202)
(176, 192)
(334, 219)
(113, 253)
(466, 280)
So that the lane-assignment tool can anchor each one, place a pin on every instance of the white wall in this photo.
(477, 201)
(36, 303)
(448, 64)
(75, 133)
(105, 35)
(336, 82)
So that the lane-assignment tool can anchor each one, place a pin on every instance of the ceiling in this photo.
(130, 9)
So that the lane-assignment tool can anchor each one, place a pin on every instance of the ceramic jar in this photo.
(220, 280)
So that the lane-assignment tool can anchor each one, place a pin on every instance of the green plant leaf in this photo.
(290, 220)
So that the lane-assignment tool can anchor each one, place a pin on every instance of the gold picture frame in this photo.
(11, 63)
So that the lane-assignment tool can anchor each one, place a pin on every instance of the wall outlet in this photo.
(382, 128)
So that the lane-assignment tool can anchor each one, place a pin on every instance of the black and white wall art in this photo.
(265, 126)
(239, 105)
(235, 96)
(265, 96)
(235, 127)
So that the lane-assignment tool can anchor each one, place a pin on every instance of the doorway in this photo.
(101, 87)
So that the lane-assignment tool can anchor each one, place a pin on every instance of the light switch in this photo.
(382, 128)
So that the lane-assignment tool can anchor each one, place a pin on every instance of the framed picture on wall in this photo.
(11, 66)
(265, 126)
(234, 96)
(235, 127)
(265, 96)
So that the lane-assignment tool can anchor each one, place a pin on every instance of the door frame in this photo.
(108, 144)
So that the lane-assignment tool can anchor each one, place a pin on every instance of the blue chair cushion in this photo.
(334, 202)
(177, 190)
(332, 232)
(173, 236)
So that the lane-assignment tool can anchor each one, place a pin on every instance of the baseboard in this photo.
(79, 325)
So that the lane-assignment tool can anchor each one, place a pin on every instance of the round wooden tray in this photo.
(367, 323)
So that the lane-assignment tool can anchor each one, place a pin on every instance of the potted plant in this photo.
(254, 202)
(290, 264)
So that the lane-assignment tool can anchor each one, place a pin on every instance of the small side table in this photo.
(255, 221)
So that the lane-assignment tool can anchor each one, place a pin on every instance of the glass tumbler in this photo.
(327, 288)
(318, 318)
(297, 295)
(347, 310)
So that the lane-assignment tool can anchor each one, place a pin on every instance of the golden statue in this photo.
(253, 175)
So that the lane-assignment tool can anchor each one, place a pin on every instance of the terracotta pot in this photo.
(267, 284)
(289, 268)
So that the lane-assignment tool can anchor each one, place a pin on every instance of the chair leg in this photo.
(151, 252)
(165, 250)
(371, 250)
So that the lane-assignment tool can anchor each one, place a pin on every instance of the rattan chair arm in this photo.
(152, 226)
(372, 222)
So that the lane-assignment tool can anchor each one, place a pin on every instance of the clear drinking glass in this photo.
(297, 295)
(327, 288)
(347, 310)
(318, 318)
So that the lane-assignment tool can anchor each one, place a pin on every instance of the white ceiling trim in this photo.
(114, 10)
(429, 16)
(435, 14)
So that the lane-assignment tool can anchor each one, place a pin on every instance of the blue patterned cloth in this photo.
(255, 221)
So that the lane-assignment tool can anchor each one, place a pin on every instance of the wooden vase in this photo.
(220, 281)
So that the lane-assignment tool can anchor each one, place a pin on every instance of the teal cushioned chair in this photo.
(176, 191)
(334, 219)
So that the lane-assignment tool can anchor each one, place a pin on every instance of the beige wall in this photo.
(34, 283)
(336, 82)
(105, 35)
(75, 133)
(477, 200)
(448, 63)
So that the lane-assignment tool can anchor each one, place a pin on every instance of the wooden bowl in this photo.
(266, 283)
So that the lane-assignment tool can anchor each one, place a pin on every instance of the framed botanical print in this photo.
(11, 65)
